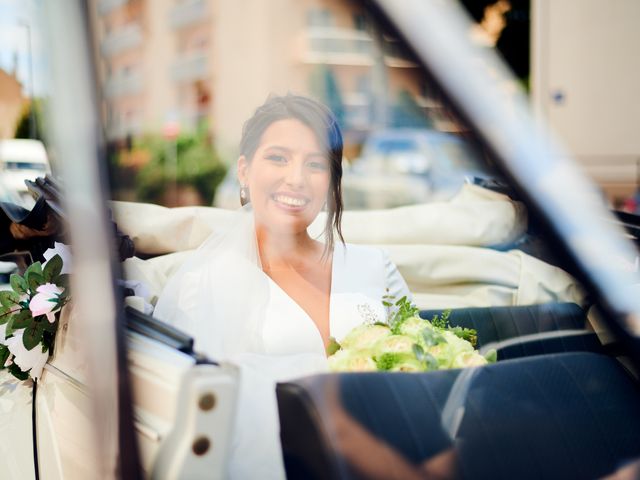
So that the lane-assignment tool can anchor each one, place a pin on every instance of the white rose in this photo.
(45, 302)
(33, 359)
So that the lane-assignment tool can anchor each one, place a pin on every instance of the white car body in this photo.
(20, 160)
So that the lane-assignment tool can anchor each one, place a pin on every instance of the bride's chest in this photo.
(355, 298)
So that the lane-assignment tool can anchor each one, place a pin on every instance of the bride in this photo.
(264, 294)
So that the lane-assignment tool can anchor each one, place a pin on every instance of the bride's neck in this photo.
(285, 251)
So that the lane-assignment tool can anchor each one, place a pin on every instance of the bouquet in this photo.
(406, 343)
(30, 316)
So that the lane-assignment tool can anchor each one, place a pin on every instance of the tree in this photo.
(23, 126)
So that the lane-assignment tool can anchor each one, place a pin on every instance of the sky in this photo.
(13, 40)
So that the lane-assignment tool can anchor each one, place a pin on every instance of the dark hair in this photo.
(325, 126)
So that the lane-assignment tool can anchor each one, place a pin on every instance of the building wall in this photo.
(585, 82)
(11, 103)
(220, 59)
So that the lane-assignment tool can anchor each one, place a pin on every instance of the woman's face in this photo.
(288, 177)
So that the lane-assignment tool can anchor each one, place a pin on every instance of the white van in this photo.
(20, 160)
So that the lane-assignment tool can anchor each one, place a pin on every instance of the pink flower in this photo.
(45, 302)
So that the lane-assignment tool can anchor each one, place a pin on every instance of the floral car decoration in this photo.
(407, 343)
(30, 316)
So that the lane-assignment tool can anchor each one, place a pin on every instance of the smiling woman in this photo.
(265, 294)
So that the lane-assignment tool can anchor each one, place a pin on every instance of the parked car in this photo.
(405, 166)
(126, 396)
(20, 160)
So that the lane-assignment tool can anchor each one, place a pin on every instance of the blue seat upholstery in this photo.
(565, 416)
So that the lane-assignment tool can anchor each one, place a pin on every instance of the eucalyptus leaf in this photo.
(18, 284)
(418, 351)
(32, 335)
(431, 337)
(431, 362)
(52, 268)
(22, 319)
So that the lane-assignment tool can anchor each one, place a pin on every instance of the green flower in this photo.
(468, 359)
(352, 361)
(412, 327)
(394, 344)
(364, 336)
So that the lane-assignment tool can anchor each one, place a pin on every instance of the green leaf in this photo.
(418, 351)
(52, 268)
(4, 354)
(34, 280)
(32, 335)
(333, 346)
(50, 327)
(18, 373)
(62, 280)
(491, 356)
(430, 360)
(34, 268)
(5, 315)
(401, 301)
(9, 298)
(22, 319)
(431, 337)
(18, 284)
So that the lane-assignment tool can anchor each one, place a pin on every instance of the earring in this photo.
(244, 194)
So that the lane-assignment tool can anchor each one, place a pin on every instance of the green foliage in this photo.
(387, 361)
(37, 332)
(491, 356)
(4, 355)
(333, 346)
(441, 321)
(22, 319)
(32, 335)
(53, 268)
(17, 372)
(18, 284)
(23, 126)
(468, 334)
(404, 310)
(198, 165)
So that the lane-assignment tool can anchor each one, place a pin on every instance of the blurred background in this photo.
(179, 77)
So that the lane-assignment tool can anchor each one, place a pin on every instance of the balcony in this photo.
(123, 84)
(125, 38)
(190, 68)
(106, 6)
(338, 46)
(188, 13)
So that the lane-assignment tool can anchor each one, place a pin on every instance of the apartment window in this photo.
(360, 22)
(319, 17)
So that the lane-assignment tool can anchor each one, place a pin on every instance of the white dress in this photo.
(288, 345)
